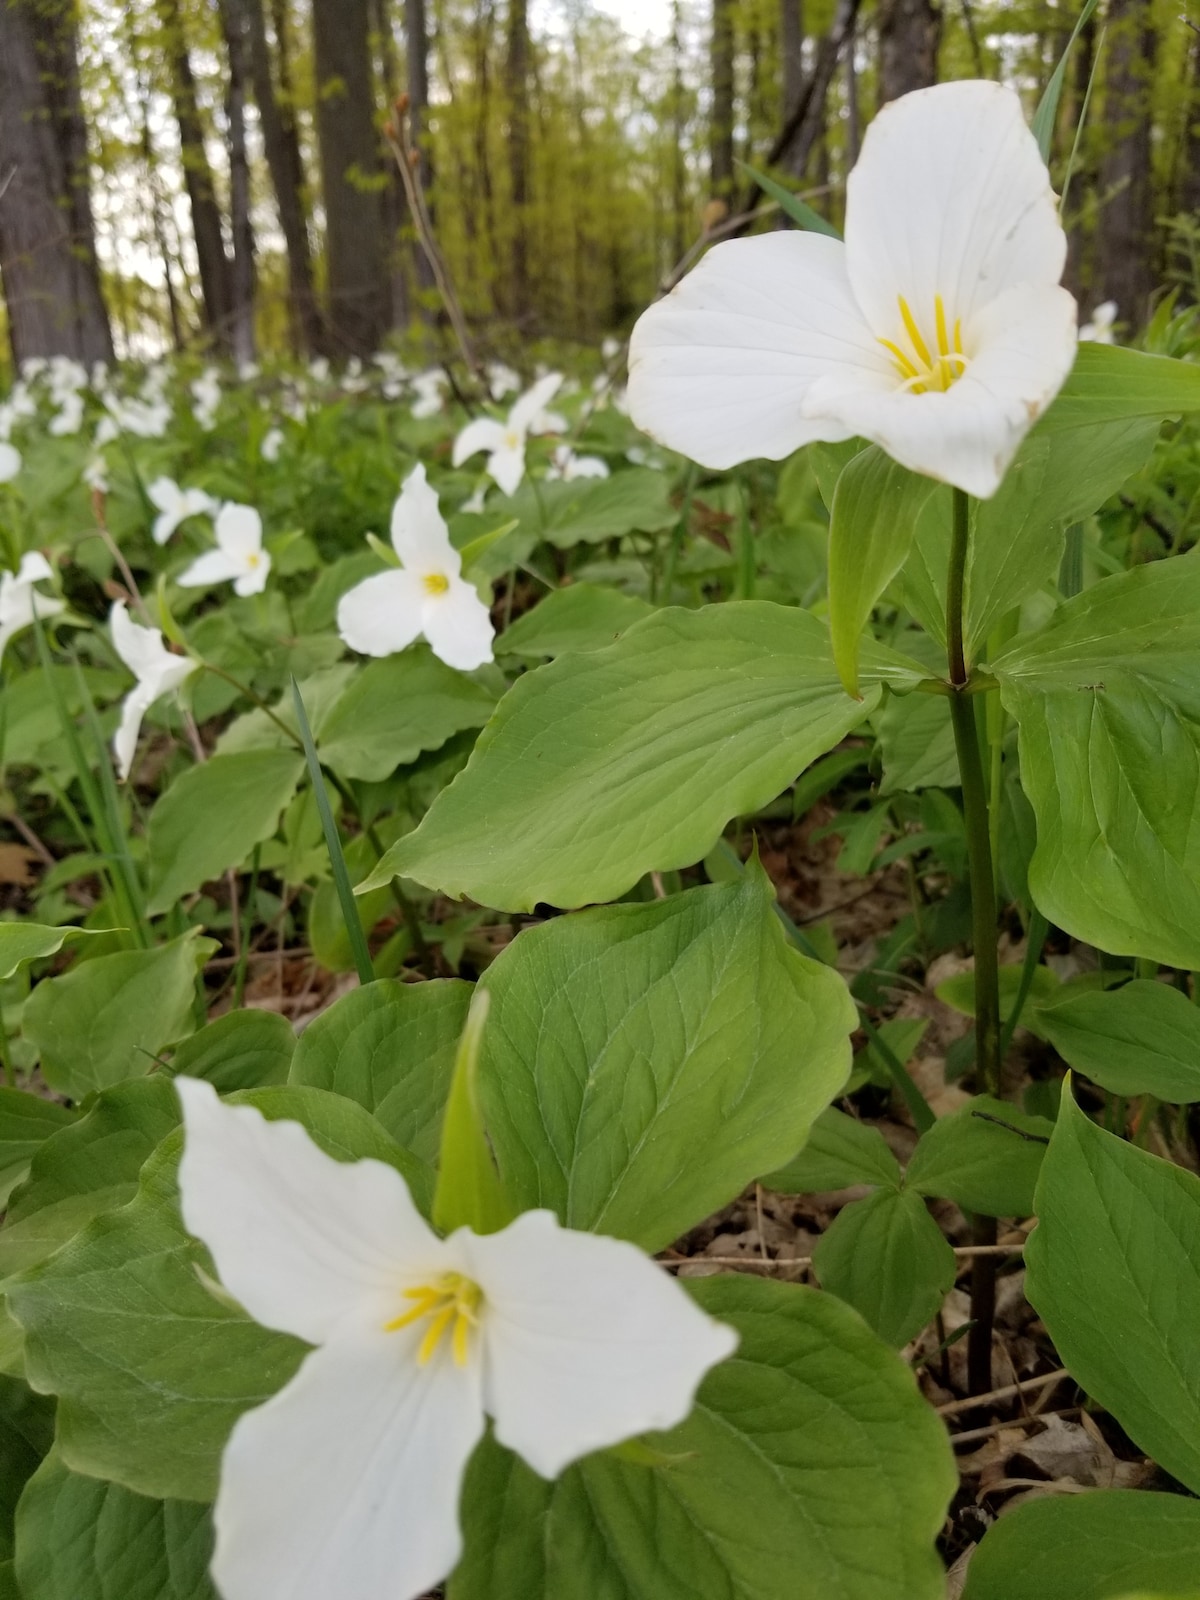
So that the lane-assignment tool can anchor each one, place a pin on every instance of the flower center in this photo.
(451, 1302)
(512, 440)
(920, 368)
(436, 582)
(254, 559)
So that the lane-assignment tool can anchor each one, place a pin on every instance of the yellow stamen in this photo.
(433, 1334)
(958, 335)
(436, 582)
(914, 333)
(902, 361)
(921, 372)
(939, 314)
(451, 1302)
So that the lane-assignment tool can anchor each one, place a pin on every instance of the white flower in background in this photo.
(272, 444)
(10, 461)
(427, 595)
(429, 389)
(157, 670)
(502, 380)
(505, 441)
(394, 374)
(239, 557)
(568, 466)
(69, 417)
(318, 369)
(95, 474)
(33, 367)
(19, 599)
(206, 398)
(938, 329)
(1100, 329)
(175, 505)
(353, 381)
(610, 348)
(248, 371)
(346, 1483)
(475, 505)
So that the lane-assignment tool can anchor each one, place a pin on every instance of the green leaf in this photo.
(583, 616)
(1042, 125)
(150, 1369)
(839, 1152)
(603, 766)
(887, 1257)
(916, 742)
(26, 1122)
(241, 1050)
(1097, 1546)
(30, 941)
(985, 1156)
(395, 708)
(391, 1047)
(810, 1469)
(959, 991)
(643, 1063)
(108, 1019)
(211, 818)
(1113, 1270)
(26, 1434)
(82, 1539)
(589, 510)
(1143, 1038)
(469, 1192)
(1109, 382)
(791, 204)
(874, 513)
(1107, 700)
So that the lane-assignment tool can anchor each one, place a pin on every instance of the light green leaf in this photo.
(887, 1257)
(1097, 1546)
(1107, 699)
(985, 1156)
(791, 203)
(30, 941)
(1113, 1270)
(605, 765)
(810, 1469)
(211, 818)
(1143, 1038)
(1044, 118)
(583, 616)
(26, 1122)
(241, 1050)
(839, 1152)
(469, 1193)
(916, 741)
(108, 1019)
(1109, 382)
(391, 1047)
(588, 510)
(82, 1539)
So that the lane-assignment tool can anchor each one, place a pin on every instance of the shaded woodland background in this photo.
(213, 174)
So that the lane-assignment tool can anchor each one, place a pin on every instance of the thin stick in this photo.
(973, 1435)
(1007, 1393)
(963, 1252)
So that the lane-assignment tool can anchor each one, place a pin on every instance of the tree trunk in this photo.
(910, 32)
(47, 237)
(216, 287)
(720, 136)
(395, 204)
(359, 305)
(1126, 243)
(516, 77)
(416, 33)
(679, 206)
(237, 40)
(281, 146)
(791, 35)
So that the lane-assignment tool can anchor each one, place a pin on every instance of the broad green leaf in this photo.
(583, 616)
(395, 708)
(1098, 1546)
(30, 941)
(26, 1122)
(1109, 382)
(211, 818)
(1143, 1038)
(1113, 1270)
(83, 1539)
(643, 1063)
(241, 1050)
(26, 1434)
(810, 1469)
(603, 766)
(108, 1019)
(839, 1152)
(959, 992)
(875, 508)
(150, 1369)
(391, 1047)
(588, 510)
(1107, 700)
(916, 742)
(887, 1257)
(985, 1156)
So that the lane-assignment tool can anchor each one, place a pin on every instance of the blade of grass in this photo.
(1044, 117)
(791, 203)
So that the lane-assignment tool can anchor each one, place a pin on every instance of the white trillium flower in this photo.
(347, 1482)
(568, 466)
(428, 388)
(157, 671)
(239, 557)
(1100, 329)
(272, 444)
(95, 474)
(175, 505)
(20, 601)
(505, 441)
(428, 595)
(69, 418)
(10, 461)
(938, 330)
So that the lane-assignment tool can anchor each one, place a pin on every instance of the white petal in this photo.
(585, 467)
(214, 566)
(10, 461)
(164, 493)
(968, 435)
(950, 196)
(719, 369)
(587, 1341)
(533, 402)
(419, 533)
(253, 579)
(382, 614)
(141, 649)
(458, 626)
(34, 568)
(345, 1485)
(164, 526)
(239, 530)
(507, 467)
(484, 433)
(306, 1243)
(133, 709)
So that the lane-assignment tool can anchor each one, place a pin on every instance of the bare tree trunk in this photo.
(416, 32)
(853, 123)
(352, 179)
(395, 205)
(237, 41)
(720, 132)
(216, 286)
(791, 34)
(910, 32)
(47, 236)
(517, 88)
(679, 216)
(1126, 242)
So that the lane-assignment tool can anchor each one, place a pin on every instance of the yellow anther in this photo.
(914, 333)
(939, 314)
(436, 583)
(451, 1302)
(902, 361)
(922, 371)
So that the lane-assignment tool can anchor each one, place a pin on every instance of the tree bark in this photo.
(395, 203)
(236, 25)
(679, 206)
(791, 36)
(416, 33)
(910, 32)
(720, 133)
(47, 237)
(1126, 243)
(517, 88)
(359, 304)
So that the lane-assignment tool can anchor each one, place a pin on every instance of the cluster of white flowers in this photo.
(206, 398)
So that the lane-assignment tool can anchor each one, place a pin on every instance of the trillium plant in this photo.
(650, 1052)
